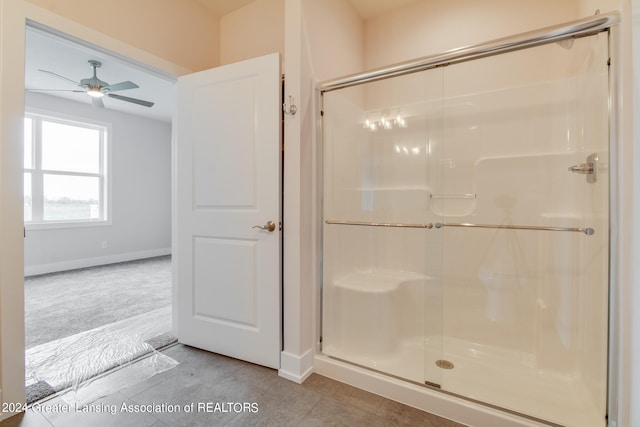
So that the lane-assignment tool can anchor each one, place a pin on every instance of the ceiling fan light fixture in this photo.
(96, 88)
(95, 92)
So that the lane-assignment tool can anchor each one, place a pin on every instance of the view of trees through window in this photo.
(64, 171)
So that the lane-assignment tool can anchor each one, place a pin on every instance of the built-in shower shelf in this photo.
(453, 204)
(376, 280)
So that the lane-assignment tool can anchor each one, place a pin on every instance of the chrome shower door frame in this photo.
(608, 22)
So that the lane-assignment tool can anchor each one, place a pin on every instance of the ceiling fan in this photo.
(97, 88)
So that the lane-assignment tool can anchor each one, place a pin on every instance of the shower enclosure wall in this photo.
(465, 229)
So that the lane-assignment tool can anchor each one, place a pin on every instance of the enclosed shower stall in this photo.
(466, 227)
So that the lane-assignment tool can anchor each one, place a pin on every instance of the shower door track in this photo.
(574, 29)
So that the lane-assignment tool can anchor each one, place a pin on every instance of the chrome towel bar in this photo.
(379, 224)
(586, 230)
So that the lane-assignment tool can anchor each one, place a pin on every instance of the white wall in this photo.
(141, 196)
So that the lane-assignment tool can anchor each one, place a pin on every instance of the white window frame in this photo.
(37, 196)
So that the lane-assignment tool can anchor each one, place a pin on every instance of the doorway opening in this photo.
(98, 269)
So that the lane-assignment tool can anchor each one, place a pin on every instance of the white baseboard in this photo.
(296, 368)
(32, 270)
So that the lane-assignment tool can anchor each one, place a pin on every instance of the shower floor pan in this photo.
(510, 379)
(491, 376)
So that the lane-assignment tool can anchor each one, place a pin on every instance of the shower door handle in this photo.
(582, 168)
(590, 168)
(270, 226)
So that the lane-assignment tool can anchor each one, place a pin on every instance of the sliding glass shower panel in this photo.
(379, 296)
(524, 210)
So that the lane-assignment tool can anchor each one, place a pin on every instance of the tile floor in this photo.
(212, 383)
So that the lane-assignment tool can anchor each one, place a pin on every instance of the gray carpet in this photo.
(58, 305)
(74, 362)
(100, 309)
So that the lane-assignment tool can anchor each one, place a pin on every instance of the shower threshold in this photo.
(488, 377)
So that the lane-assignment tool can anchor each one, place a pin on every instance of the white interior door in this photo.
(227, 181)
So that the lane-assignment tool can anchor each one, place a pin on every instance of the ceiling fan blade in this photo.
(55, 90)
(134, 100)
(97, 103)
(121, 86)
(60, 77)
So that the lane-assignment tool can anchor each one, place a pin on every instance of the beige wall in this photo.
(183, 32)
(630, 350)
(433, 26)
(323, 39)
(254, 30)
(334, 35)
(589, 7)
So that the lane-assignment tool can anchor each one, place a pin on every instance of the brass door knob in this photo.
(270, 226)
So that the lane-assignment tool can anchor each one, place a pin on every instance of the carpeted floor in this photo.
(81, 323)
(59, 305)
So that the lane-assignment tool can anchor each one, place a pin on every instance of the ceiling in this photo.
(222, 7)
(367, 9)
(66, 58)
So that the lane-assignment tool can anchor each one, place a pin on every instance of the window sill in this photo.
(65, 224)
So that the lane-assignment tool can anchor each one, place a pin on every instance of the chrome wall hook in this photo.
(291, 109)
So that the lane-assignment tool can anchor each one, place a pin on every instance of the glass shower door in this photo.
(378, 229)
(525, 231)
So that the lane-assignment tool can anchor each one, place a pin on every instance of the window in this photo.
(65, 179)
